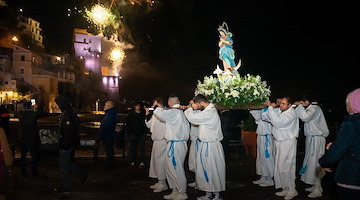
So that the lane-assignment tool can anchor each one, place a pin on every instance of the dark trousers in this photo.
(34, 158)
(137, 143)
(109, 150)
(67, 166)
(347, 194)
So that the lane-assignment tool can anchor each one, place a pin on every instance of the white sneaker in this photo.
(173, 195)
(203, 198)
(132, 164)
(291, 194)
(310, 189)
(282, 193)
(154, 186)
(161, 188)
(261, 180)
(181, 196)
(217, 198)
(193, 184)
(315, 193)
(267, 183)
(142, 165)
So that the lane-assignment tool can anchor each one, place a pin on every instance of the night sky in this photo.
(299, 48)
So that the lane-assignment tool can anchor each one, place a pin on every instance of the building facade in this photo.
(89, 51)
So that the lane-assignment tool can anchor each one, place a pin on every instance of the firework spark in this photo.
(100, 15)
(117, 55)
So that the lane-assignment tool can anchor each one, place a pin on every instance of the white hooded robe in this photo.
(157, 161)
(315, 130)
(285, 132)
(264, 153)
(210, 163)
(194, 146)
(176, 134)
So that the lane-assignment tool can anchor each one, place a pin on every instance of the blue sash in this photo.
(171, 150)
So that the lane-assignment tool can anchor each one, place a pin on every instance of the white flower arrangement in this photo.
(234, 92)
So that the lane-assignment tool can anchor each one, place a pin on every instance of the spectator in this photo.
(345, 151)
(107, 127)
(68, 139)
(5, 123)
(7, 154)
(29, 138)
(136, 128)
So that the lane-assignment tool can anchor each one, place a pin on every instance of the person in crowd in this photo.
(69, 139)
(108, 132)
(29, 138)
(158, 152)
(7, 154)
(315, 130)
(285, 132)
(136, 128)
(344, 152)
(177, 135)
(210, 163)
(264, 154)
(5, 124)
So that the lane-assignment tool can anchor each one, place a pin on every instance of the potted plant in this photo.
(249, 136)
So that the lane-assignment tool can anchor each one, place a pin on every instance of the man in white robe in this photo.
(210, 164)
(176, 134)
(158, 152)
(194, 147)
(264, 155)
(315, 130)
(285, 132)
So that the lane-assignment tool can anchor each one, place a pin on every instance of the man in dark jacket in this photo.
(107, 128)
(136, 128)
(68, 139)
(29, 138)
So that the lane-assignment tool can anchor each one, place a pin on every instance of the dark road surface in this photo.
(124, 182)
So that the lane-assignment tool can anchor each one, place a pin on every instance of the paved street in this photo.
(133, 183)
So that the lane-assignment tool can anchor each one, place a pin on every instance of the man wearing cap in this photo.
(68, 139)
(29, 138)
(177, 135)
(315, 130)
(285, 132)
